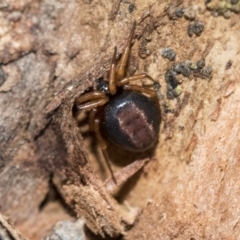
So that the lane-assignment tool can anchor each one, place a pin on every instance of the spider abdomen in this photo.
(132, 120)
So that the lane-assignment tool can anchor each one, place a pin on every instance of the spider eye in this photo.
(102, 85)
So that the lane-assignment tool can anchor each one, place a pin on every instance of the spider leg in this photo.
(91, 100)
(93, 104)
(89, 96)
(142, 89)
(123, 174)
(134, 78)
(112, 74)
(92, 116)
(121, 67)
(102, 144)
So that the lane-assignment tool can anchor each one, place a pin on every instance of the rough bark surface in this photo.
(53, 51)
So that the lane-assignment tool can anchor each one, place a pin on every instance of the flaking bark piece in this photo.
(84, 191)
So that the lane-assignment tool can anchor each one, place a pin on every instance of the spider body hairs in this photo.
(128, 114)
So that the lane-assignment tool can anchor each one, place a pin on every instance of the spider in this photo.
(128, 114)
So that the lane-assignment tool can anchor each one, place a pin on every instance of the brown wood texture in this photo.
(50, 166)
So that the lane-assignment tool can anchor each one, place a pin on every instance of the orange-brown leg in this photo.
(90, 96)
(97, 99)
(91, 100)
(134, 78)
(121, 67)
(92, 116)
(112, 74)
(102, 144)
(141, 89)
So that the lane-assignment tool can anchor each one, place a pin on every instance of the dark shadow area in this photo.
(91, 236)
(53, 195)
(127, 187)
(121, 157)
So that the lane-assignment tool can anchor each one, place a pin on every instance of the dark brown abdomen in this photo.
(132, 121)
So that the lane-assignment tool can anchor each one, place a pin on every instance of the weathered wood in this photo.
(50, 53)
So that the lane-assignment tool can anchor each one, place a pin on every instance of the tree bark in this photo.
(50, 166)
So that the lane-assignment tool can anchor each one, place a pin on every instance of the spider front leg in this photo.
(112, 74)
(121, 67)
(91, 100)
(125, 82)
(134, 78)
